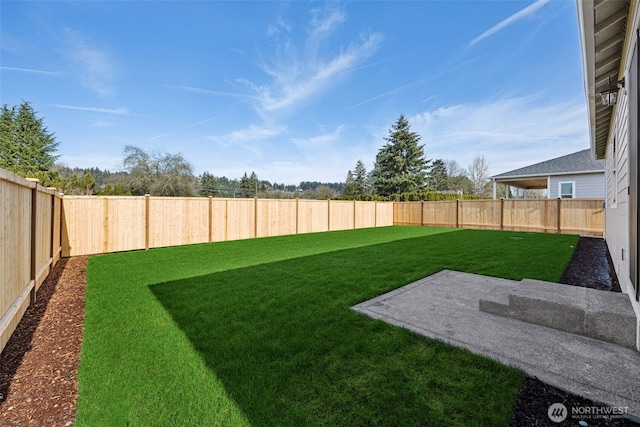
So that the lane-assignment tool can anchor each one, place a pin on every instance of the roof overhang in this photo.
(603, 25)
(535, 181)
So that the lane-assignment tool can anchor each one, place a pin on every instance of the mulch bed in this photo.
(38, 367)
(39, 364)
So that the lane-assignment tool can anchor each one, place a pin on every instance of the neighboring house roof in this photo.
(603, 26)
(535, 176)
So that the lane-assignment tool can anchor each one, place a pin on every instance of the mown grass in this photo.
(259, 332)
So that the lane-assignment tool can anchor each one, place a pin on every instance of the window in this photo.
(567, 190)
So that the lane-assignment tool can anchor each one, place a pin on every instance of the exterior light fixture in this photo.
(609, 93)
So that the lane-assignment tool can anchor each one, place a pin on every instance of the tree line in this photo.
(401, 170)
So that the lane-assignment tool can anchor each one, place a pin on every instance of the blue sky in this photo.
(297, 90)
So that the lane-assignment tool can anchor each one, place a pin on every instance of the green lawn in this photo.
(259, 332)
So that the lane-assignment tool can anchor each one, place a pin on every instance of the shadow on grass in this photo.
(282, 339)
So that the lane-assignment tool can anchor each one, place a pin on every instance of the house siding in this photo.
(587, 186)
(617, 215)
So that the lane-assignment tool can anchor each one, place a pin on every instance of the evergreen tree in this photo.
(438, 178)
(208, 185)
(400, 164)
(360, 179)
(26, 146)
(349, 185)
(8, 146)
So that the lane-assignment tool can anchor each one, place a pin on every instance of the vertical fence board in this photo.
(240, 219)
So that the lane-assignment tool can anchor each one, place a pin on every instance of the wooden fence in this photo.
(573, 216)
(94, 225)
(30, 234)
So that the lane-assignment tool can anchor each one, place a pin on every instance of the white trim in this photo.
(573, 189)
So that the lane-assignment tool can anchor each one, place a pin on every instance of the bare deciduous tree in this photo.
(478, 173)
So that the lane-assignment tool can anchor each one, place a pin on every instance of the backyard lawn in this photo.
(259, 332)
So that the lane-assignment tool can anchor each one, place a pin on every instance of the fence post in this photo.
(105, 225)
(457, 213)
(34, 229)
(255, 217)
(297, 214)
(375, 213)
(501, 214)
(422, 214)
(146, 221)
(210, 219)
(53, 223)
(559, 216)
(328, 214)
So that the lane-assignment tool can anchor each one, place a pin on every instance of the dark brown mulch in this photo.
(39, 364)
(591, 266)
(38, 367)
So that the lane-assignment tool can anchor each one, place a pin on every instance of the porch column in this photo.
(494, 189)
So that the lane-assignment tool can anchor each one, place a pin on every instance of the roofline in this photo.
(587, 42)
(538, 175)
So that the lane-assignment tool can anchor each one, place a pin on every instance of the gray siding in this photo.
(587, 186)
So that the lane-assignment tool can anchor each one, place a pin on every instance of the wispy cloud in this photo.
(116, 111)
(527, 11)
(319, 141)
(511, 132)
(209, 92)
(250, 138)
(201, 122)
(297, 72)
(31, 71)
(92, 64)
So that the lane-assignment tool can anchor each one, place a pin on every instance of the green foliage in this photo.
(208, 185)
(115, 190)
(400, 164)
(27, 148)
(259, 332)
(438, 177)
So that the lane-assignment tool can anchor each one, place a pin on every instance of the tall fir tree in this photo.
(360, 178)
(27, 148)
(400, 164)
(438, 178)
(349, 185)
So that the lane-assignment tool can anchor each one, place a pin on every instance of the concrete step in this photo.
(602, 315)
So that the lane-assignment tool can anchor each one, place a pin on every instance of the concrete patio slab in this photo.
(445, 306)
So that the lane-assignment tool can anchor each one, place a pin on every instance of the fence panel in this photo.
(341, 215)
(579, 216)
(440, 214)
(407, 213)
(29, 247)
(384, 213)
(482, 214)
(275, 217)
(241, 219)
(582, 216)
(313, 216)
(365, 214)
(177, 221)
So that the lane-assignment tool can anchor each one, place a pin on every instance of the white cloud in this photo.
(527, 11)
(250, 138)
(116, 111)
(299, 72)
(319, 141)
(31, 71)
(511, 133)
(209, 92)
(92, 64)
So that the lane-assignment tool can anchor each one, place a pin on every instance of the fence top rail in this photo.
(23, 182)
